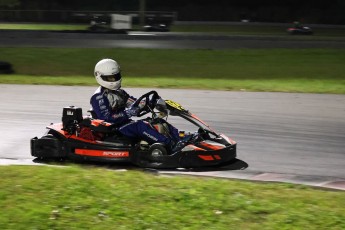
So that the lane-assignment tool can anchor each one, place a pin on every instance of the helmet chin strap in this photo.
(116, 88)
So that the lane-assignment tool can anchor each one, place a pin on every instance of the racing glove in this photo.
(132, 111)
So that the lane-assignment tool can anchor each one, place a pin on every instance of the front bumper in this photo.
(188, 159)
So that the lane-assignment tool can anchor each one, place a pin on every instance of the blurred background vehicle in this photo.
(299, 29)
(302, 31)
(110, 23)
(156, 28)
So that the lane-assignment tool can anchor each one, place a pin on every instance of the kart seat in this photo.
(95, 129)
(98, 125)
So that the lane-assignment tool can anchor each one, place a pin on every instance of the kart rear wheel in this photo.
(48, 147)
(157, 150)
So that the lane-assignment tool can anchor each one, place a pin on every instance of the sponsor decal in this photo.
(115, 154)
(102, 153)
(174, 105)
(150, 136)
(101, 102)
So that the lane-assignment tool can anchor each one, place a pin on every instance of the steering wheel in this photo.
(150, 102)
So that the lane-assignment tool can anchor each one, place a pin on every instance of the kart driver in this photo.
(114, 105)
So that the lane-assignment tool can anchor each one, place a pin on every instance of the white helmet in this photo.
(108, 74)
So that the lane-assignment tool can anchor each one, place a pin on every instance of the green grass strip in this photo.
(264, 85)
(42, 26)
(286, 70)
(96, 198)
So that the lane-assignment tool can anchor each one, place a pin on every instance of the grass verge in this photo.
(250, 85)
(97, 198)
(42, 26)
(309, 70)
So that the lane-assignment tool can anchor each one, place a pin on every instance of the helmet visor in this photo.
(111, 78)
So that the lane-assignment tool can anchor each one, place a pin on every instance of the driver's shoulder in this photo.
(97, 95)
(98, 91)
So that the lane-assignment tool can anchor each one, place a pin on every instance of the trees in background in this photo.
(9, 3)
(310, 11)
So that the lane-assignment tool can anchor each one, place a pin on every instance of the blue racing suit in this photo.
(111, 106)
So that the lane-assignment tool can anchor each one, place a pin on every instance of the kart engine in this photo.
(71, 117)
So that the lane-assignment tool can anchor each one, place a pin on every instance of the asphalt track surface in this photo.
(297, 138)
(289, 137)
(160, 40)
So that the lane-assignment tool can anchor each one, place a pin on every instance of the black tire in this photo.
(157, 150)
(54, 134)
(47, 147)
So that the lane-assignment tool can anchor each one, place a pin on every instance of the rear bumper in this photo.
(50, 147)
(46, 147)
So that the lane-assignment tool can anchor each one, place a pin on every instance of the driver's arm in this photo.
(132, 99)
(101, 107)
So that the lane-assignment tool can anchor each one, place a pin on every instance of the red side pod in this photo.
(102, 153)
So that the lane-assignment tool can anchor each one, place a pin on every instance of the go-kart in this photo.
(156, 28)
(300, 30)
(86, 138)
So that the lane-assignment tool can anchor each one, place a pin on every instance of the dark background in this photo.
(285, 11)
